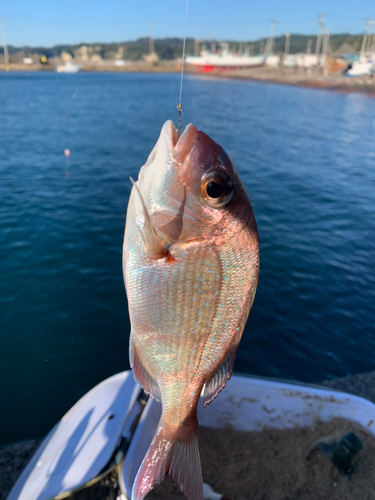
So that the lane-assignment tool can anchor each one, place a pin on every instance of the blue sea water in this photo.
(307, 159)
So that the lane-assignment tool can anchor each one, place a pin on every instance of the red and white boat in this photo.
(225, 60)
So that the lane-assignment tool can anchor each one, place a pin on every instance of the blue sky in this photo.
(50, 22)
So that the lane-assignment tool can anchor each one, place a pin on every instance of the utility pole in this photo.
(196, 47)
(364, 39)
(287, 44)
(321, 22)
(309, 44)
(326, 41)
(271, 39)
(368, 36)
(371, 23)
(5, 47)
(213, 44)
(152, 49)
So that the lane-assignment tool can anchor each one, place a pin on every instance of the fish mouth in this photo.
(179, 146)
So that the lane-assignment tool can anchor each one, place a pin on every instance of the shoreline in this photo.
(128, 67)
(14, 457)
(298, 77)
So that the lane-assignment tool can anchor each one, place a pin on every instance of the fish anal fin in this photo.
(169, 455)
(150, 237)
(218, 381)
(141, 375)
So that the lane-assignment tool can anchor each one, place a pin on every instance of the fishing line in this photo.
(179, 105)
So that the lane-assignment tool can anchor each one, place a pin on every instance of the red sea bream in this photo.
(191, 263)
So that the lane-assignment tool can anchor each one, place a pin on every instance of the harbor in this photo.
(328, 61)
(312, 78)
(186, 292)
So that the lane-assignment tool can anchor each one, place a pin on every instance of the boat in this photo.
(68, 67)
(224, 60)
(110, 428)
(360, 68)
(273, 60)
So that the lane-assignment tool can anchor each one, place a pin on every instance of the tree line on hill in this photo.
(171, 48)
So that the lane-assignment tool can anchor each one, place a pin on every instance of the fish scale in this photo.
(190, 261)
(189, 299)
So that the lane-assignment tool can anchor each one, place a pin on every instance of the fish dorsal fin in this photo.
(141, 374)
(151, 239)
(217, 383)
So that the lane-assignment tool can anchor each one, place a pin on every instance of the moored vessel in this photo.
(224, 60)
(68, 67)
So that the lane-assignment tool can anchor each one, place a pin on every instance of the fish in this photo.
(191, 266)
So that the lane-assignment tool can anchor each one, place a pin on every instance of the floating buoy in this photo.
(67, 152)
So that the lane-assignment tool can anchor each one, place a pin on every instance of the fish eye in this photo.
(214, 190)
(217, 189)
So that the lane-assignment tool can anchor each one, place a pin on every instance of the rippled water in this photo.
(307, 159)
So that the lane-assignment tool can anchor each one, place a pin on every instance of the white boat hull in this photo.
(81, 445)
(361, 69)
(68, 68)
(211, 62)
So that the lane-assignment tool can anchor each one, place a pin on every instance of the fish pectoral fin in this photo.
(217, 383)
(141, 375)
(150, 238)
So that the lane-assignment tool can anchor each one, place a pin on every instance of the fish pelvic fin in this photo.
(150, 237)
(178, 457)
(141, 375)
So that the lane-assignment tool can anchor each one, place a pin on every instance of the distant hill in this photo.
(171, 48)
(167, 48)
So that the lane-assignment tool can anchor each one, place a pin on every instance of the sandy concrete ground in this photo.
(14, 457)
(311, 78)
(20, 67)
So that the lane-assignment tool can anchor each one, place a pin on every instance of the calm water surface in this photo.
(307, 159)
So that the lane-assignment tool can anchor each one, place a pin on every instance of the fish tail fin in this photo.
(178, 457)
